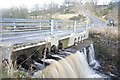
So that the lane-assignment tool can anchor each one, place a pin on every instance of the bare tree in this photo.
(14, 12)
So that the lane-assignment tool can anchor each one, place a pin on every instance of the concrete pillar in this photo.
(6, 52)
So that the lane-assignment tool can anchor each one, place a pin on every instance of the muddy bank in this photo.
(106, 48)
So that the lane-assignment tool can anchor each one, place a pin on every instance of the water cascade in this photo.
(72, 66)
(94, 63)
(91, 53)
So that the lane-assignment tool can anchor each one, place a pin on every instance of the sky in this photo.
(26, 3)
(30, 3)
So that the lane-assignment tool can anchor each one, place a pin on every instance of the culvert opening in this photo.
(21, 62)
(78, 39)
(60, 46)
(75, 41)
(53, 49)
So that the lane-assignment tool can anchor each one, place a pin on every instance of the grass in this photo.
(12, 72)
(111, 32)
(106, 44)
(64, 16)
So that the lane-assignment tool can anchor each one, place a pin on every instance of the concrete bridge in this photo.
(25, 36)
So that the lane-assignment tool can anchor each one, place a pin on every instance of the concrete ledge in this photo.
(81, 45)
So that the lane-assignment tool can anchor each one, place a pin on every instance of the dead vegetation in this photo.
(108, 32)
(106, 41)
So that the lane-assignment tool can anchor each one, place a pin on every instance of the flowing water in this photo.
(91, 53)
(72, 66)
(94, 63)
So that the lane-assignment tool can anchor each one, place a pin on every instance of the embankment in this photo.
(106, 42)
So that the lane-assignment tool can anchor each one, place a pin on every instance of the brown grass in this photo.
(111, 32)
(64, 16)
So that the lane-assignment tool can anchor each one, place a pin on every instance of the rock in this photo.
(95, 65)
(38, 65)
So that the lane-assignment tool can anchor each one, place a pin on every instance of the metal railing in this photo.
(21, 25)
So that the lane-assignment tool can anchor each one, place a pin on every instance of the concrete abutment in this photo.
(12, 52)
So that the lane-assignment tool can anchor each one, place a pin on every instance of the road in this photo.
(24, 37)
(95, 22)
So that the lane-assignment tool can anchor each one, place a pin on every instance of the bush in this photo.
(79, 17)
(69, 12)
(74, 18)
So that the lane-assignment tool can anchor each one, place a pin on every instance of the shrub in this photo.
(79, 17)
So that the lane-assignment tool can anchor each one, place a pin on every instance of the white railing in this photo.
(21, 25)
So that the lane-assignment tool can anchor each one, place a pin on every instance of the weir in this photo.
(74, 65)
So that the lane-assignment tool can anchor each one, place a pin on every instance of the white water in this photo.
(73, 66)
(85, 53)
(92, 60)
(91, 53)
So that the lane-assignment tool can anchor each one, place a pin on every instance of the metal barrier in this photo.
(18, 25)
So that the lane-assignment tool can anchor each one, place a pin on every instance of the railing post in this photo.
(14, 26)
(40, 26)
(87, 26)
(75, 24)
(52, 26)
